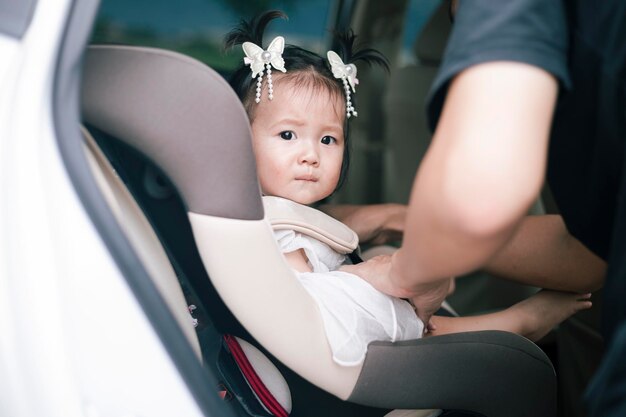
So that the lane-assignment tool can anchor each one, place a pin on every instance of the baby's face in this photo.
(298, 142)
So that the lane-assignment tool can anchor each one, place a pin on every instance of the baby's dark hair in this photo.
(304, 68)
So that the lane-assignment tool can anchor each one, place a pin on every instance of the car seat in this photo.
(185, 118)
(145, 241)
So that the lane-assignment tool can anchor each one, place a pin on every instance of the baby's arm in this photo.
(532, 318)
(298, 261)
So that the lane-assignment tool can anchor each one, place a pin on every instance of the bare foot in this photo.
(544, 310)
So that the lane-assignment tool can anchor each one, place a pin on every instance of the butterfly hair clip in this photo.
(347, 73)
(260, 60)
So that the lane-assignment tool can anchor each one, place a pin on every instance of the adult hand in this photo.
(375, 224)
(429, 299)
(376, 271)
(426, 298)
(390, 225)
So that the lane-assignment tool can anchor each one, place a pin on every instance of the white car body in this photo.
(73, 339)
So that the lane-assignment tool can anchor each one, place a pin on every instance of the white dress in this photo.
(354, 313)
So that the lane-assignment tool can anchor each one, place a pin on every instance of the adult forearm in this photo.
(482, 172)
(542, 253)
(440, 249)
(462, 211)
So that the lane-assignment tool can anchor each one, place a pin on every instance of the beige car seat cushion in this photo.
(289, 325)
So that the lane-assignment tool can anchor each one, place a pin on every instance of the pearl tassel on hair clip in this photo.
(258, 59)
(347, 73)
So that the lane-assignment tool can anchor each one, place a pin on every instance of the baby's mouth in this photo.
(309, 178)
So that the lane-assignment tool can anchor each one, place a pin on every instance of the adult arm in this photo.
(544, 254)
(375, 224)
(541, 253)
(484, 169)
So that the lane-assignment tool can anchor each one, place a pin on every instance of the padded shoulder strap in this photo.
(286, 214)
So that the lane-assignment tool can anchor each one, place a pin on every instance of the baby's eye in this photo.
(287, 135)
(327, 140)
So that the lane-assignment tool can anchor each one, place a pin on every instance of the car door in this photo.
(74, 338)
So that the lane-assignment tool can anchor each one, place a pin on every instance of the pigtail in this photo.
(252, 30)
(248, 31)
(349, 52)
(342, 65)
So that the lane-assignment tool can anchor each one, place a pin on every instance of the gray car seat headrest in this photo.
(174, 94)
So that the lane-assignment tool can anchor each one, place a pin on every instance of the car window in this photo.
(418, 13)
(197, 27)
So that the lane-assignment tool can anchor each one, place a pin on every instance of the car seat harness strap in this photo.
(284, 214)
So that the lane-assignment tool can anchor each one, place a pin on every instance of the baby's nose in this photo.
(309, 156)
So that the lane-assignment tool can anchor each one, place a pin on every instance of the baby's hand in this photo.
(429, 327)
(428, 298)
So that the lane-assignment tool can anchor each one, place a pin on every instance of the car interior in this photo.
(168, 143)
